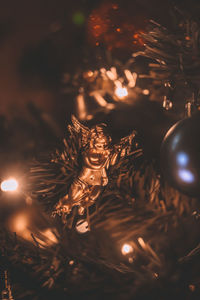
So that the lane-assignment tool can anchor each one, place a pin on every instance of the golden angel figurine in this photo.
(97, 155)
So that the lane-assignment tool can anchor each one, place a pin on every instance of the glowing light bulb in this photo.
(127, 249)
(50, 236)
(9, 185)
(145, 92)
(20, 223)
(121, 92)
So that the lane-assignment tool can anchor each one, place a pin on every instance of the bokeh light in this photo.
(78, 18)
(9, 185)
(121, 92)
(126, 249)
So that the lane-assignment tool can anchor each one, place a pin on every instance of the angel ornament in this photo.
(98, 154)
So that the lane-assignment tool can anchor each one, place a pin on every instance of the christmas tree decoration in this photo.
(180, 158)
(97, 155)
(82, 226)
(173, 58)
(102, 217)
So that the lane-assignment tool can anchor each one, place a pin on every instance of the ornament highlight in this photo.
(180, 156)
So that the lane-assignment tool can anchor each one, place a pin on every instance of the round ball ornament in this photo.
(180, 156)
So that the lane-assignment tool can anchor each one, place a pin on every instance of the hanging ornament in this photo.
(82, 226)
(180, 156)
(98, 154)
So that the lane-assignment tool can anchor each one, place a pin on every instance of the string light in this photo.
(9, 185)
(126, 249)
(22, 224)
(145, 92)
(121, 92)
(50, 236)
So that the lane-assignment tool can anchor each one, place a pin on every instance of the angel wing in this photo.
(51, 176)
(80, 129)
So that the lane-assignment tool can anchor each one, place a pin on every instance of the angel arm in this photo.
(124, 148)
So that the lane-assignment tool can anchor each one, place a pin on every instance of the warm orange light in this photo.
(145, 92)
(20, 223)
(127, 249)
(50, 236)
(9, 185)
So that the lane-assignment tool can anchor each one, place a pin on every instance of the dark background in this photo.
(40, 42)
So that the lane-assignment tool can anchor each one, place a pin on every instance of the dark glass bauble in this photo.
(180, 156)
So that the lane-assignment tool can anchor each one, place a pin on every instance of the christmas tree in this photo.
(110, 208)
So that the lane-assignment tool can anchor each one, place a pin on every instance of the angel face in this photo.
(100, 141)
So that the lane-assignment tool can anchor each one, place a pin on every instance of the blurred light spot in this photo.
(142, 243)
(192, 287)
(130, 260)
(9, 185)
(50, 236)
(81, 106)
(145, 92)
(156, 275)
(71, 262)
(78, 18)
(121, 92)
(186, 175)
(182, 159)
(99, 99)
(20, 223)
(115, 6)
(90, 73)
(131, 77)
(29, 200)
(126, 249)
(167, 104)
